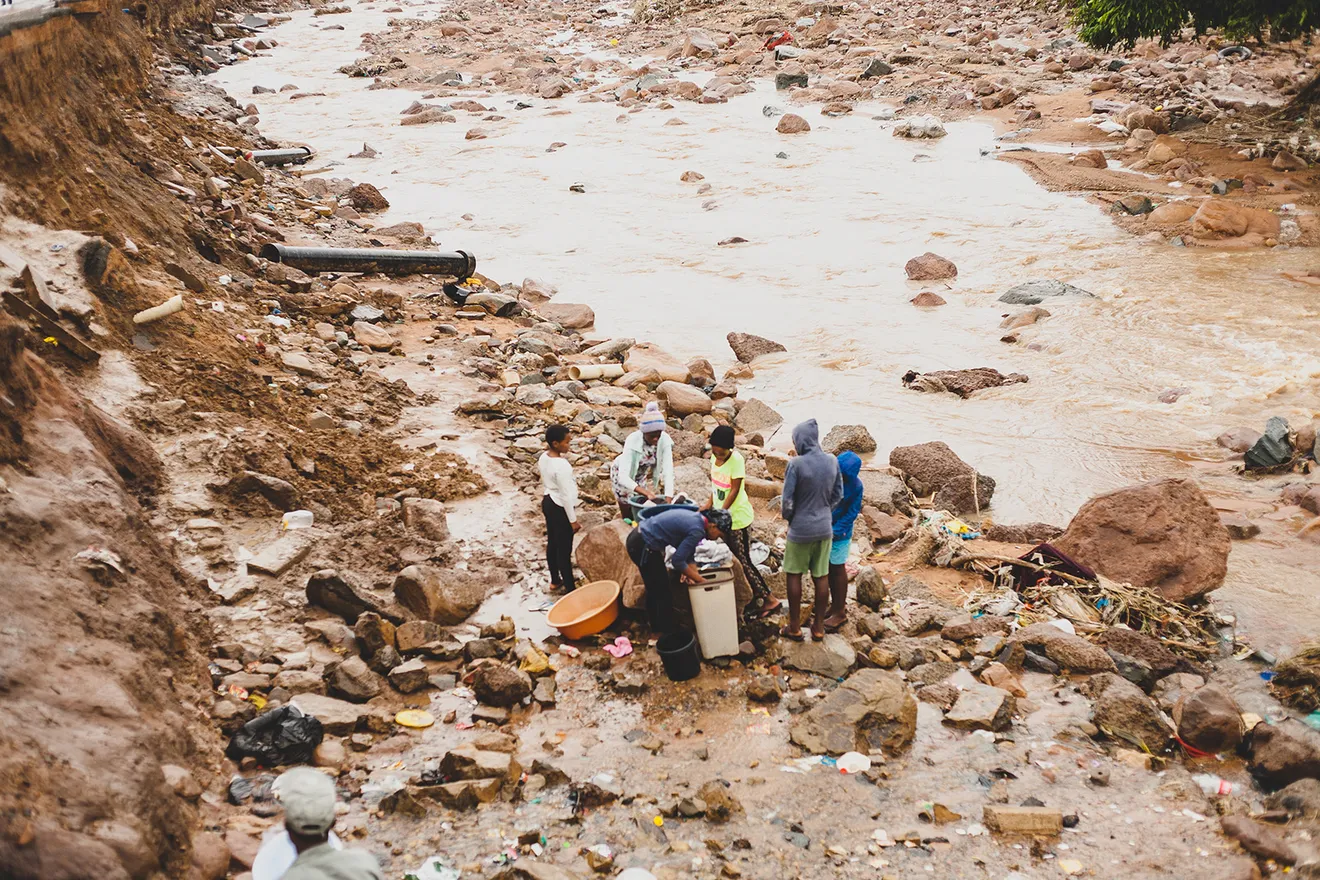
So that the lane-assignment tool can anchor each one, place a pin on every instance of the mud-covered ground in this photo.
(409, 431)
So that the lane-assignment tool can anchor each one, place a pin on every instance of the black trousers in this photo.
(655, 577)
(558, 543)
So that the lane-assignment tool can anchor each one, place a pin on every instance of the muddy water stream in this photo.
(829, 228)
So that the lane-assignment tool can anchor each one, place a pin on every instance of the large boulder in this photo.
(333, 591)
(1209, 719)
(352, 680)
(757, 417)
(1283, 753)
(832, 658)
(426, 517)
(930, 267)
(873, 709)
(747, 347)
(935, 468)
(498, 685)
(1221, 218)
(645, 356)
(886, 492)
(1141, 659)
(849, 438)
(1071, 652)
(682, 399)
(602, 556)
(573, 316)
(1162, 535)
(445, 597)
(1126, 714)
(981, 707)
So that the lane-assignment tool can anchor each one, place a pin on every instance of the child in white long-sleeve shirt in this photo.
(559, 505)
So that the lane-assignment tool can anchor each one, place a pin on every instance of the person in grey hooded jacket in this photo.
(812, 486)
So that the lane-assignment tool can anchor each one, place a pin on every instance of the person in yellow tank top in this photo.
(728, 474)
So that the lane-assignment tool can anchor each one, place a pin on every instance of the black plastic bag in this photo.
(281, 736)
(258, 788)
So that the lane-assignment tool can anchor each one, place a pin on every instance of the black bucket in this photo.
(680, 654)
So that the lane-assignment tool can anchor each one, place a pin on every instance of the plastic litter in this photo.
(1064, 624)
(621, 648)
(281, 736)
(853, 762)
(415, 718)
(257, 788)
(1212, 785)
(534, 662)
(433, 869)
(297, 519)
(569, 651)
(636, 874)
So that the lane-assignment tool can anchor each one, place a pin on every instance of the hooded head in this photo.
(850, 465)
(806, 437)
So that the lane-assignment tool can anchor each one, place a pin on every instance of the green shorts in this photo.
(812, 558)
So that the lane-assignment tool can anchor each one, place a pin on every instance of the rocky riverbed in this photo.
(325, 486)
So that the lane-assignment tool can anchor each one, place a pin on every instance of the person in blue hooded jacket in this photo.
(812, 486)
(844, 515)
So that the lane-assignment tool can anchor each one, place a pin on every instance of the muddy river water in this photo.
(829, 226)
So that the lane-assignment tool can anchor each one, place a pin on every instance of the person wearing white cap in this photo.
(646, 463)
(308, 797)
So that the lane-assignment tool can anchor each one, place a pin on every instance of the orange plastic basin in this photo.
(587, 610)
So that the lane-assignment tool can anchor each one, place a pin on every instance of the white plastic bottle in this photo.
(1212, 785)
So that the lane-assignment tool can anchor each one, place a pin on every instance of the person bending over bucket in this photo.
(682, 529)
(646, 464)
(812, 486)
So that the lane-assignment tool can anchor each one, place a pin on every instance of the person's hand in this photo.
(577, 527)
(650, 496)
(689, 579)
(708, 505)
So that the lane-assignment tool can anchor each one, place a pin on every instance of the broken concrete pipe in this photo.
(459, 264)
(584, 372)
(155, 313)
(285, 156)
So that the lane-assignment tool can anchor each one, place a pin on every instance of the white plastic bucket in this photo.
(715, 612)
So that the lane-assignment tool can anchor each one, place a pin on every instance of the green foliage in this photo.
(1109, 23)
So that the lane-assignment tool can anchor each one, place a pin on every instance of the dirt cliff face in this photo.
(98, 664)
(80, 125)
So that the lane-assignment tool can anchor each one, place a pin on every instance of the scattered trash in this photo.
(415, 718)
(534, 662)
(1297, 679)
(433, 868)
(282, 736)
(1212, 785)
(569, 651)
(155, 313)
(937, 814)
(257, 788)
(853, 762)
(99, 562)
(297, 519)
(621, 648)
(1070, 866)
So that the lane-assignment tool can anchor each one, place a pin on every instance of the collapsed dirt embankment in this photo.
(99, 660)
(98, 663)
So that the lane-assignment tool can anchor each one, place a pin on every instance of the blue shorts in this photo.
(839, 551)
